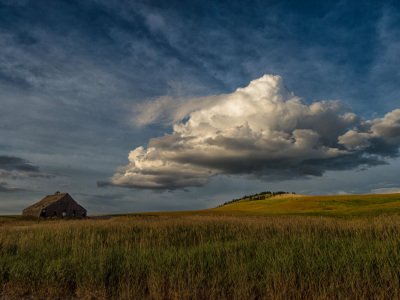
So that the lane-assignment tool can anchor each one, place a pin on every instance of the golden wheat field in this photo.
(345, 247)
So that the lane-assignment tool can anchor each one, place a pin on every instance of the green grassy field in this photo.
(232, 252)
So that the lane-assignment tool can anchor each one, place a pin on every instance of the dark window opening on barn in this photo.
(43, 213)
(64, 213)
(74, 213)
(55, 214)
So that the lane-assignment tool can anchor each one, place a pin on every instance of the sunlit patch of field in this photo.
(335, 205)
(293, 204)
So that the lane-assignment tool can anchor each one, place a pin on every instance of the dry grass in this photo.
(202, 257)
(337, 205)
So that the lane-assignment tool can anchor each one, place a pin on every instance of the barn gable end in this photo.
(56, 205)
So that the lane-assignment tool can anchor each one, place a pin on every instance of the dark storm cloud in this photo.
(6, 188)
(12, 167)
(12, 163)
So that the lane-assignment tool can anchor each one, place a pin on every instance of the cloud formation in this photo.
(10, 163)
(6, 188)
(262, 130)
(16, 167)
(391, 190)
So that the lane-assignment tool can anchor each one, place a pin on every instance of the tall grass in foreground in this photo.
(202, 258)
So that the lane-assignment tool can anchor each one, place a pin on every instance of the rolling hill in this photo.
(333, 205)
(294, 204)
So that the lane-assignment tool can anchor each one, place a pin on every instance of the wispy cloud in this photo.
(11, 163)
(391, 190)
(6, 188)
(16, 167)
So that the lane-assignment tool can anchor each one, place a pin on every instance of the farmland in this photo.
(244, 250)
(335, 205)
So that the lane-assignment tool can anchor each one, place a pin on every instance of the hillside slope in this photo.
(334, 205)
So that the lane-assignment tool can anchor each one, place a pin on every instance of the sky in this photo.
(168, 105)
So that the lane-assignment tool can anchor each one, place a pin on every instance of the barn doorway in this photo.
(43, 213)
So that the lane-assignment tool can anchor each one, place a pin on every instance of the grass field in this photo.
(212, 254)
(303, 205)
(337, 205)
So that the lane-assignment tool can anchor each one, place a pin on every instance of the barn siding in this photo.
(56, 209)
(67, 205)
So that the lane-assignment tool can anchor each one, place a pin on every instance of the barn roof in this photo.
(46, 201)
(58, 204)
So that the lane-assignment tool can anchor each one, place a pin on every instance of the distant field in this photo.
(245, 250)
(337, 205)
(334, 206)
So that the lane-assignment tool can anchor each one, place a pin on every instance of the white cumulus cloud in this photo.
(262, 130)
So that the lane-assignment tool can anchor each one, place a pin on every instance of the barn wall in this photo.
(31, 213)
(68, 206)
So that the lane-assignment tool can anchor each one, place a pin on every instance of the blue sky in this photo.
(76, 76)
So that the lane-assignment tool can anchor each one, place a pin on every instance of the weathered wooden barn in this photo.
(59, 205)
